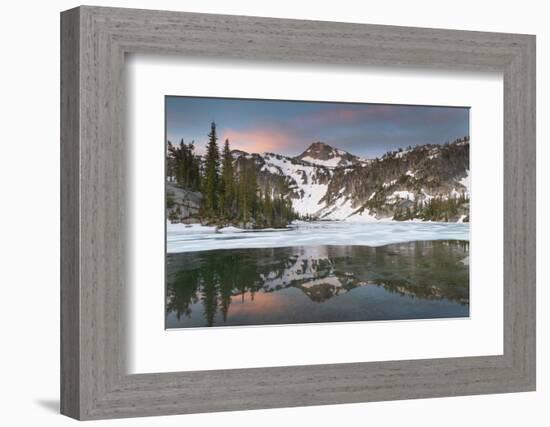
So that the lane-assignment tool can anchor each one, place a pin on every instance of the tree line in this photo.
(230, 191)
(183, 165)
(435, 209)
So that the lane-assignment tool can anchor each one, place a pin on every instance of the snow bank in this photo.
(306, 181)
(182, 238)
(407, 195)
(345, 211)
(466, 181)
(330, 163)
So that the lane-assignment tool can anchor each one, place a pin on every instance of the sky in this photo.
(289, 127)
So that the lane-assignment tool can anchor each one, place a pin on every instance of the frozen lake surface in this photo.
(193, 238)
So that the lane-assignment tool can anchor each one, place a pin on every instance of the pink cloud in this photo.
(256, 140)
(347, 114)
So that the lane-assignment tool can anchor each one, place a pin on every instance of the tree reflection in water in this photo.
(217, 280)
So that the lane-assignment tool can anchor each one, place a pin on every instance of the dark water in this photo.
(303, 284)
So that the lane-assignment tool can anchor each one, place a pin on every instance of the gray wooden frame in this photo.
(94, 41)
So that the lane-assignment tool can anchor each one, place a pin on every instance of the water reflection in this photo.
(422, 279)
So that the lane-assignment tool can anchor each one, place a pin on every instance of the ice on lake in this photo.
(196, 237)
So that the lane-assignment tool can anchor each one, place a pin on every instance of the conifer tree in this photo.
(252, 188)
(194, 167)
(247, 190)
(211, 174)
(227, 190)
(183, 165)
(268, 208)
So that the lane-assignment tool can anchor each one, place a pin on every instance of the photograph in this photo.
(287, 212)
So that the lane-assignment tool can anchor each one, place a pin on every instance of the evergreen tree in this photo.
(211, 180)
(194, 167)
(227, 190)
(183, 165)
(252, 188)
(247, 190)
(268, 208)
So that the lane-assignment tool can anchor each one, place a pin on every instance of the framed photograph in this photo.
(350, 209)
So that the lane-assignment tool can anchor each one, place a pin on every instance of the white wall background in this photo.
(29, 212)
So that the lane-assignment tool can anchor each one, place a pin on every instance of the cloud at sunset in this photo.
(256, 140)
(346, 114)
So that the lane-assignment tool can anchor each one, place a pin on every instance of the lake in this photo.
(380, 279)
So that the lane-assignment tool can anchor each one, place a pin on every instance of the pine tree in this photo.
(211, 174)
(194, 167)
(183, 165)
(170, 162)
(252, 188)
(241, 193)
(247, 191)
(268, 208)
(227, 190)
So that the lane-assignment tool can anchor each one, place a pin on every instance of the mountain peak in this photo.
(320, 150)
(323, 154)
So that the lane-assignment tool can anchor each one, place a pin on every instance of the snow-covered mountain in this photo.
(426, 182)
(330, 184)
(322, 154)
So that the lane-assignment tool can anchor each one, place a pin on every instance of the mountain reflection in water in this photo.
(304, 284)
